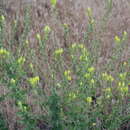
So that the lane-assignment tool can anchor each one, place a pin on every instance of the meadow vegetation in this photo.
(53, 77)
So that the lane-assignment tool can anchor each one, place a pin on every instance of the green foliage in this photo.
(65, 88)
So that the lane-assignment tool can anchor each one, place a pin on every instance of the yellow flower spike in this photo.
(123, 84)
(81, 57)
(124, 35)
(53, 2)
(31, 66)
(19, 104)
(65, 25)
(67, 72)
(119, 84)
(34, 81)
(81, 46)
(74, 45)
(122, 76)
(38, 36)
(104, 74)
(67, 75)
(25, 108)
(58, 52)
(87, 75)
(108, 96)
(124, 63)
(26, 42)
(94, 124)
(4, 52)
(81, 83)
(110, 78)
(117, 39)
(21, 60)
(58, 85)
(91, 69)
(89, 11)
(92, 21)
(15, 22)
(108, 90)
(124, 89)
(47, 29)
(2, 18)
(92, 81)
(69, 78)
(72, 95)
(12, 81)
(89, 99)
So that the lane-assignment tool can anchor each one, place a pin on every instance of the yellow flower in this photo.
(67, 75)
(72, 95)
(124, 63)
(94, 124)
(117, 39)
(26, 42)
(12, 81)
(108, 96)
(65, 25)
(92, 21)
(108, 90)
(58, 52)
(89, 11)
(38, 36)
(89, 99)
(87, 75)
(122, 76)
(31, 66)
(47, 29)
(69, 78)
(92, 81)
(67, 72)
(34, 81)
(124, 89)
(4, 52)
(21, 60)
(53, 3)
(81, 83)
(91, 69)
(107, 77)
(2, 18)
(110, 78)
(81, 46)
(124, 35)
(74, 45)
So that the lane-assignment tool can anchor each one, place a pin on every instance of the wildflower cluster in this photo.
(119, 40)
(107, 77)
(123, 88)
(67, 75)
(58, 52)
(89, 100)
(47, 29)
(4, 53)
(21, 60)
(34, 81)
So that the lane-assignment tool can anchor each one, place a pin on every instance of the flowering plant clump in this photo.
(34, 81)
(63, 72)
(67, 75)
(4, 52)
(58, 52)
(21, 60)
(47, 29)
